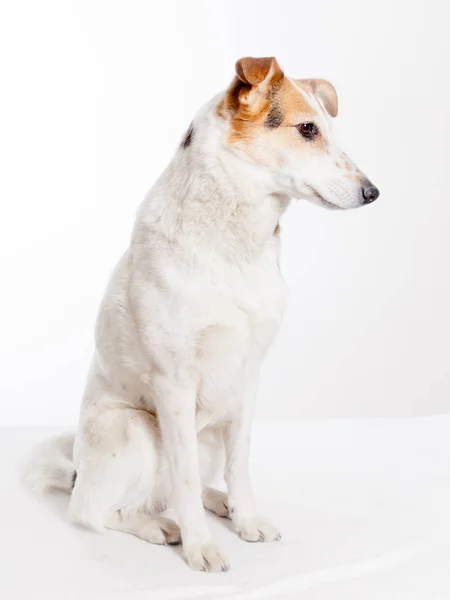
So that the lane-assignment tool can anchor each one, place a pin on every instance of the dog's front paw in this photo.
(257, 529)
(206, 557)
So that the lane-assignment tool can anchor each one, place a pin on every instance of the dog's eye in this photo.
(308, 130)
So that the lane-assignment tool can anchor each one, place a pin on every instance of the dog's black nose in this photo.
(370, 193)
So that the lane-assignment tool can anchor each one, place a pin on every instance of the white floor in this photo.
(363, 506)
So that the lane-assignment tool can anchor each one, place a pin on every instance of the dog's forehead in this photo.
(291, 99)
(299, 98)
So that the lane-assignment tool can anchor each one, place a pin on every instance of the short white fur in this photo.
(187, 317)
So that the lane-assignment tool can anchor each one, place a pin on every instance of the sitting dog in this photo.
(189, 313)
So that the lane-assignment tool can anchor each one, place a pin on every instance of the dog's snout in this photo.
(369, 192)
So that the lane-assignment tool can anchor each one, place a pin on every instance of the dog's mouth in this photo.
(321, 200)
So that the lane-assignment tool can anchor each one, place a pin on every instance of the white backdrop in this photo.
(95, 97)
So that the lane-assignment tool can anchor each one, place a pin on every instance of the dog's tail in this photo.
(49, 466)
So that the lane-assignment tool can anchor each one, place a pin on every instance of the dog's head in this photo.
(284, 126)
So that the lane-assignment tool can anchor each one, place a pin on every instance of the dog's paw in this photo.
(206, 557)
(171, 531)
(215, 501)
(257, 529)
(160, 530)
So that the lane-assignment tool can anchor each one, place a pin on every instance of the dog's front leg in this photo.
(176, 413)
(241, 503)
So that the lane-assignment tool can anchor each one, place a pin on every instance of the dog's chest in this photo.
(244, 315)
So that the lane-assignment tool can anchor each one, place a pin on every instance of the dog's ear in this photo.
(249, 92)
(257, 75)
(254, 71)
(326, 93)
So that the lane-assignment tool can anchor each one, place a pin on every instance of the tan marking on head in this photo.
(298, 109)
(264, 107)
(255, 110)
(277, 230)
(295, 103)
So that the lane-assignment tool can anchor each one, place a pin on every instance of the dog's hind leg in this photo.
(117, 459)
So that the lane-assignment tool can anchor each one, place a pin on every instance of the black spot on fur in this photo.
(188, 137)
(74, 478)
(274, 118)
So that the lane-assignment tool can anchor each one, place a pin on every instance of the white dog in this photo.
(189, 313)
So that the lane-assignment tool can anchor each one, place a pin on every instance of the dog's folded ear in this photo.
(255, 71)
(325, 92)
(250, 91)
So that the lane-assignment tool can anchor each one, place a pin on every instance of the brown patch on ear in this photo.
(277, 230)
(254, 70)
(325, 91)
(252, 89)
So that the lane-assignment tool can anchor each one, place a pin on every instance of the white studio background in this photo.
(95, 98)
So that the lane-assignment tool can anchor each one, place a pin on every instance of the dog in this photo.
(189, 313)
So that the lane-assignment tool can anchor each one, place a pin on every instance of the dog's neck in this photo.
(211, 195)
